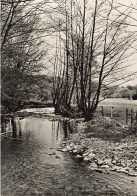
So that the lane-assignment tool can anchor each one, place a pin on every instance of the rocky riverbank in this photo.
(105, 145)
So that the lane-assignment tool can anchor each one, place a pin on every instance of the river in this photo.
(32, 165)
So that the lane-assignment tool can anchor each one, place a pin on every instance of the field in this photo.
(123, 110)
(119, 102)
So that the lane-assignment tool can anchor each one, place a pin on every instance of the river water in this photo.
(32, 165)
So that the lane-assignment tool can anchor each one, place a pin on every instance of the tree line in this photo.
(92, 42)
(128, 92)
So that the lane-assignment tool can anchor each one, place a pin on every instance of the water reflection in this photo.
(49, 131)
(11, 127)
(14, 128)
(33, 166)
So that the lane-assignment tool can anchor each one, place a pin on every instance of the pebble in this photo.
(59, 149)
(107, 160)
(132, 173)
(93, 165)
(75, 147)
(114, 168)
(57, 157)
(79, 156)
(75, 151)
(100, 162)
(87, 159)
(68, 148)
(92, 155)
(116, 158)
(114, 162)
(85, 154)
(53, 153)
(71, 145)
(105, 166)
(64, 150)
(122, 170)
(123, 164)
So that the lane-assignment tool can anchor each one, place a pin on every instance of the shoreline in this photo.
(105, 145)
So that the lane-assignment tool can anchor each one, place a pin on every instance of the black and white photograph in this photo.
(68, 98)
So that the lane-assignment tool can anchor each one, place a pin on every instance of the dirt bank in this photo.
(105, 144)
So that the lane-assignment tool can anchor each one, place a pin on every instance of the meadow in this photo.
(122, 110)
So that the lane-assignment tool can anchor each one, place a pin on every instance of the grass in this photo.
(119, 110)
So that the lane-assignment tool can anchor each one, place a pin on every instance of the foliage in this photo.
(20, 52)
(129, 92)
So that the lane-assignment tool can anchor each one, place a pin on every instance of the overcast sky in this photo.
(131, 60)
(134, 58)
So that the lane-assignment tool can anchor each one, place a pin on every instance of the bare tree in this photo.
(98, 42)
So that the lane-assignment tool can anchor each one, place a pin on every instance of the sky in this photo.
(131, 60)
(133, 68)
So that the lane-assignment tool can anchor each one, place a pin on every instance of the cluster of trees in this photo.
(20, 51)
(94, 41)
(128, 92)
(40, 89)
